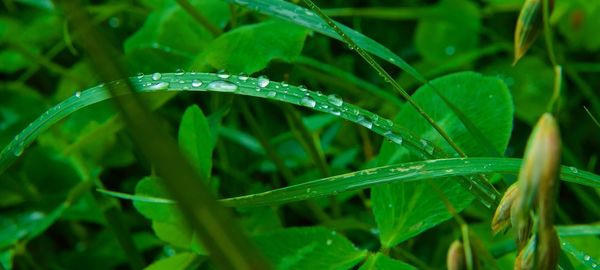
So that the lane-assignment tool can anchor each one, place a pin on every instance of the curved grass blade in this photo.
(203, 82)
(405, 172)
(305, 17)
(241, 85)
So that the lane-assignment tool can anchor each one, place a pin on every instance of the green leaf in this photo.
(531, 91)
(151, 187)
(195, 139)
(578, 23)
(452, 28)
(182, 261)
(250, 48)
(405, 210)
(309, 248)
(381, 262)
(171, 38)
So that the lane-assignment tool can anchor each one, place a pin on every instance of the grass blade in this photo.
(411, 171)
(305, 17)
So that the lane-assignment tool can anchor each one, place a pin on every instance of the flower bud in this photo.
(502, 218)
(538, 174)
(529, 26)
(455, 259)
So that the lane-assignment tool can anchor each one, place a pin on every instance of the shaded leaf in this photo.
(404, 210)
(382, 262)
(195, 139)
(250, 48)
(308, 248)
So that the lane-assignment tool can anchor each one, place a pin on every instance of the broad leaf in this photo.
(406, 209)
(382, 262)
(180, 261)
(453, 28)
(195, 139)
(249, 48)
(171, 38)
(309, 248)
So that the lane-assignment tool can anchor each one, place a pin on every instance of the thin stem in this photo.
(213, 29)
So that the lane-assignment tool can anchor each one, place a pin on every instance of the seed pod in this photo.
(538, 173)
(502, 219)
(455, 259)
(529, 26)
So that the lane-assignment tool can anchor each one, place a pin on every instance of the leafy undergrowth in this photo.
(321, 162)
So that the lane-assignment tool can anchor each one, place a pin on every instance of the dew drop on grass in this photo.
(335, 100)
(393, 137)
(587, 258)
(179, 71)
(159, 86)
(308, 102)
(77, 94)
(196, 83)
(263, 81)
(271, 94)
(223, 74)
(573, 170)
(336, 112)
(156, 76)
(302, 88)
(18, 151)
(222, 86)
(364, 122)
(140, 76)
(242, 76)
(427, 146)
(284, 84)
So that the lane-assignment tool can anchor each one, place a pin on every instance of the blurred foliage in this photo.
(52, 217)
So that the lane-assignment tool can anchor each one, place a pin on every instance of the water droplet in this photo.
(393, 137)
(18, 151)
(302, 88)
(594, 265)
(223, 74)
(308, 12)
(222, 86)
(308, 102)
(427, 146)
(573, 169)
(329, 242)
(156, 76)
(196, 83)
(243, 76)
(140, 75)
(179, 71)
(450, 50)
(336, 112)
(364, 122)
(271, 94)
(335, 100)
(587, 258)
(77, 94)
(159, 86)
(284, 84)
(263, 81)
